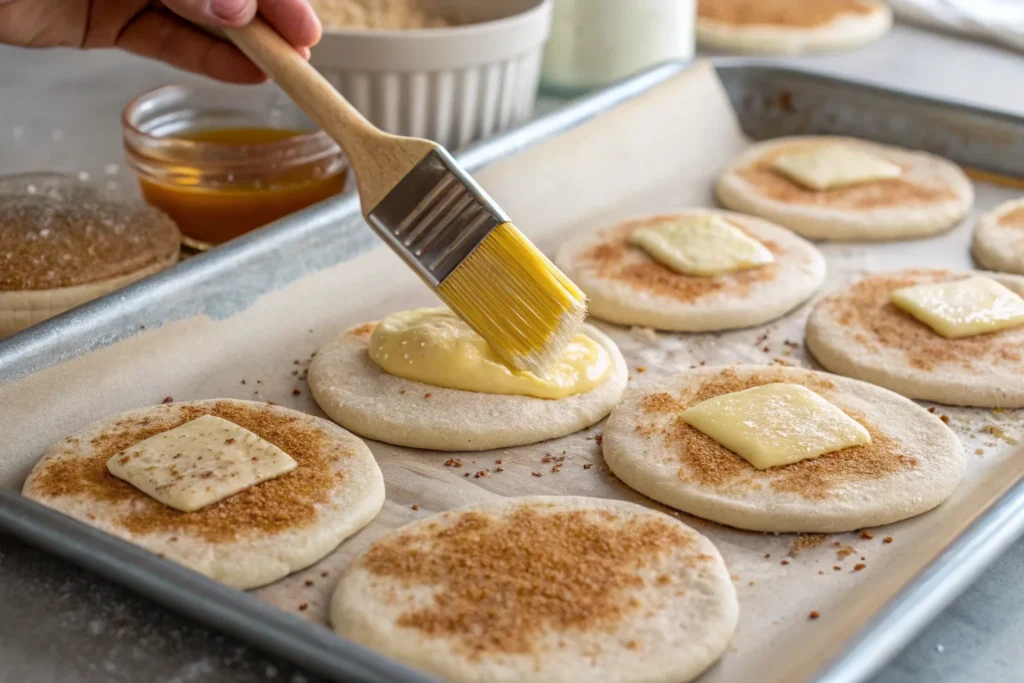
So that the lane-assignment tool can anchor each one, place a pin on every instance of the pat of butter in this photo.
(830, 165)
(963, 308)
(701, 245)
(776, 424)
(435, 346)
(199, 463)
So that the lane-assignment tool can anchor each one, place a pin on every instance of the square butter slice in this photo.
(701, 245)
(776, 424)
(199, 463)
(963, 308)
(827, 166)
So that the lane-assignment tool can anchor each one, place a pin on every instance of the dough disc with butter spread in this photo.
(913, 463)
(931, 196)
(999, 238)
(790, 26)
(66, 243)
(544, 588)
(246, 540)
(625, 285)
(858, 332)
(357, 394)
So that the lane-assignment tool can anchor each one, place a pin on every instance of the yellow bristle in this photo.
(516, 299)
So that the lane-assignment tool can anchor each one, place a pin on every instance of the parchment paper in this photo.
(659, 151)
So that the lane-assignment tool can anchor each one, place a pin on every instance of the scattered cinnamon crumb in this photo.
(537, 474)
(415, 507)
(466, 474)
(307, 582)
(482, 473)
(167, 400)
(814, 614)
(303, 607)
(979, 451)
(821, 572)
(401, 391)
(296, 392)
(767, 555)
(243, 381)
(887, 539)
(499, 469)
(555, 468)
(453, 462)
(845, 551)
(229, 441)
(944, 418)
(931, 409)
(784, 562)
(865, 534)
(857, 567)
(324, 574)
(497, 462)
(427, 395)
(837, 568)
(599, 439)
(806, 542)
(587, 466)
(641, 369)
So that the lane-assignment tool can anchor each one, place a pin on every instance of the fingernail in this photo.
(229, 10)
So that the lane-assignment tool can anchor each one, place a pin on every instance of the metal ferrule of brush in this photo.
(435, 217)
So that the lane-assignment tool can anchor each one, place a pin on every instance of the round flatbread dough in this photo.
(999, 238)
(786, 27)
(545, 588)
(357, 394)
(63, 242)
(931, 196)
(247, 540)
(625, 285)
(859, 332)
(913, 463)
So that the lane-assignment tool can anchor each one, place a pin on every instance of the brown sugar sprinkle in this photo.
(944, 418)
(453, 462)
(499, 469)
(482, 474)
(497, 462)
(806, 542)
(778, 12)
(707, 462)
(501, 584)
(874, 194)
(556, 468)
(845, 551)
(427, 395)
(866, 306)
(837, 568)
(866, 535)
(617, 259)
(641, 369)
(537, 474)
(784, 562)
(303, 607)
(296, 392)
(999, 433)
(979, 451)
(167, 400)
(415, 507)
(283, 503)
(859, 566)
(307, 583)
(887, 539)
(814, 614)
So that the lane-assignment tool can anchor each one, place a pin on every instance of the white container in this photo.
(597, 42)
(452, 85)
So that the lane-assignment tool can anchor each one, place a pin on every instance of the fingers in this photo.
(293, 19)
(214, 12)
(160, 35)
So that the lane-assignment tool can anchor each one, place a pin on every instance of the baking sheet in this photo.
(658, 151)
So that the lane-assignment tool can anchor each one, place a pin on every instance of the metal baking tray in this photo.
(769, 101)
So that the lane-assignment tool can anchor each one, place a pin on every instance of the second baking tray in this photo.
(257, 308)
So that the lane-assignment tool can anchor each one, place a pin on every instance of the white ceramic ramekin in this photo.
(452, 85)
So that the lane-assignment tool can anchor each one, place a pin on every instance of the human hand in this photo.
(166, 31)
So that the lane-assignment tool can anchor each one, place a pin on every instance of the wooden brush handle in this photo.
(379, 160)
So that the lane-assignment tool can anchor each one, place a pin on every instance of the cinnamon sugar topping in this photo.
(870, 195)
(501, 583)
(56, 231)
(273, 506)
(867, 309)
(616, 258)
(707, 462)
(779, 12)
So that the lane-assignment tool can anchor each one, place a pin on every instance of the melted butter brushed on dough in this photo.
(434, 346)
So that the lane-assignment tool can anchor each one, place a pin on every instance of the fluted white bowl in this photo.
(453, 85)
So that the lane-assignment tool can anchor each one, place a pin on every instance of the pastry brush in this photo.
(442, 224)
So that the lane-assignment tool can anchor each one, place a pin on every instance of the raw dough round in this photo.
(913, 463)
(545, 588)
(357, 394)
(859, 333)
(625, 285)
(67, 243)
(932, 195)
(999, 238)
(247, 540)
(786, 27)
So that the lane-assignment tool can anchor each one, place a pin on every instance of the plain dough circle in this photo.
(251, 559)
(357, 394)
(20, 309)
(868, 224)
(1000, 247)
(800, 272)
(679, 633)
(845, 31)
(636, 450)
(851, 350)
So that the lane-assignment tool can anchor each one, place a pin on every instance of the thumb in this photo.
(214, 12)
